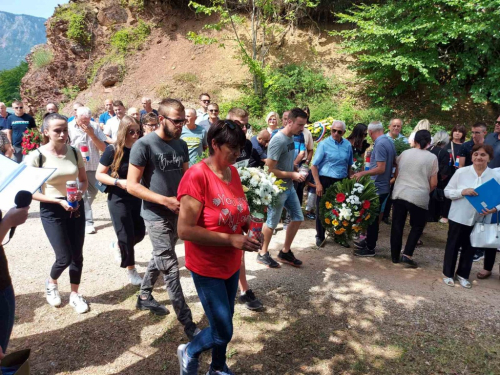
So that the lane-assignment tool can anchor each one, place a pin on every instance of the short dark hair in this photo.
(225, 132)
(166, 105)
(118, 103)
(461, 129)
(148, 117)
(423, 138)
(204, 94)
(17, 101)
(480, 124)
(296, 112)
(487, 148)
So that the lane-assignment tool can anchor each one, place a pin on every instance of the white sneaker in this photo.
(52, 294)
(116, 252)
(134, 277)
(89, 229)
(464, 282)
(78, 303)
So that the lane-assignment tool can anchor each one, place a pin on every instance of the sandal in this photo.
(483, 275)
(449, 281)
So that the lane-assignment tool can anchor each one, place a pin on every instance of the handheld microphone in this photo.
(23, 199)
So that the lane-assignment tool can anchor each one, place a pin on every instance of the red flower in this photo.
(355, 160)
(335, 213)
(362, 212)
(26, 131)
(359, 220)
(366, 205)
(340, 197)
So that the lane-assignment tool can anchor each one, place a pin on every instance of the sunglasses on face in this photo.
(213, 110)
(133, 132)
(206, 101)
(497, 122)
(18, 107)
(335, 131)
(177, 122)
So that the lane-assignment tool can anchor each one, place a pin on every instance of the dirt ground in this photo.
(338, 314)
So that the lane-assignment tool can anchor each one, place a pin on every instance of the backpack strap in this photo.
(74, 153)
(40, 159)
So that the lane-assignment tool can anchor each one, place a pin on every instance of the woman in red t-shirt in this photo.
(213, 216)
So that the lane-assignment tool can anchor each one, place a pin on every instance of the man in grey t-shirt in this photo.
(157, 164)
(280, 160)
(382, 161)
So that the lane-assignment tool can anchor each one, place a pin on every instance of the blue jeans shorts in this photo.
(290, 201)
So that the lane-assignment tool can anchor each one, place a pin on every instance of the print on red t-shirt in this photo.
(225, 210)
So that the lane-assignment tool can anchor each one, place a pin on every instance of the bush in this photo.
(41, 57)
(76, 14)
(447, 48)
(10, 80)
(71, 92)
(130, 37)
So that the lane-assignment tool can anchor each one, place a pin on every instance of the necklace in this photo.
(226, 174)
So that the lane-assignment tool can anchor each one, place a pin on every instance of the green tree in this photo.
(270, 22)
(446, 48)
(10, 80)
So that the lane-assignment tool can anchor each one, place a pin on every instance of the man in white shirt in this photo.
(81, 130)
(202, 112)
(112, 125)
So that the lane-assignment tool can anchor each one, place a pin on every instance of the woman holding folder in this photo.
(463, 215)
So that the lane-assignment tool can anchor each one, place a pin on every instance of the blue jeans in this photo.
(7, 310)
(217, 297)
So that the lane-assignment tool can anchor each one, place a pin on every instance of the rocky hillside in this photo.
(18, 34)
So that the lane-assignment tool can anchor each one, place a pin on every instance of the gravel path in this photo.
(336, 315)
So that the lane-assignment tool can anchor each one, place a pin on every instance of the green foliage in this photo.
(10, 80)
(400, 145)
(129, 38)
(447, 48)
(71, 92)
(41, 57)
(76, 14)
(138, 5)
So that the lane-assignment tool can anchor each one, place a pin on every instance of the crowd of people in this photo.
(150, 164)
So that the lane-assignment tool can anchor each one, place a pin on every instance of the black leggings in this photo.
(128, 224)
(489, 259)
(66, 234)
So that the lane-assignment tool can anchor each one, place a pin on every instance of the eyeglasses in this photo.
(133, 132)
(206, 101)
(151, 125)
(18, 107)
(335, 131)
(213, 110)
(177, 122)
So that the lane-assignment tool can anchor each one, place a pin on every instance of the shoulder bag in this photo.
(486, 235)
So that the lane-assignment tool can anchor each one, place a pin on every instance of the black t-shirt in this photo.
(364, 146)
(466, 151)
(107, 160)
(443, 163)
(246, 153)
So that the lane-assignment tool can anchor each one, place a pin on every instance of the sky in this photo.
(37, 8)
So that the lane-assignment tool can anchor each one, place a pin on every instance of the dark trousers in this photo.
(300, 191)
(388, 205)
(326, 182)
(489, 259)
(66, 234)
(217, 298)
(163, 236)
(129, 226)
(418, 218)
(7, 313)
(372, 230)
(458, 236)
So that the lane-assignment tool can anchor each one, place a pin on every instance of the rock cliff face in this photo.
(18, 34)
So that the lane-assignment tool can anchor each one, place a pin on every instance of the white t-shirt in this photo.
(415, 168)
(111, 127)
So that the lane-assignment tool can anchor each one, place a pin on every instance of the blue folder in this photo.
(488, 196)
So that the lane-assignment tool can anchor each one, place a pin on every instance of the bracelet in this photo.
(116, 181)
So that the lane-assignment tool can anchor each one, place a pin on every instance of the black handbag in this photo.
(438, 195)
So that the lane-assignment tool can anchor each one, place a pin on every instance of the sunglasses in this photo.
(213, 110)
(230, 124)
(206, 101)
(497, 122)
(18, 107)
(133, 132)
(181, 121)
(335, 131)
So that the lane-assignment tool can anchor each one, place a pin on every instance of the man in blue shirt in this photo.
(4, 115)
(213, 116)
(395, 127)
(103, 118)
(16, 126)
(147, 108)
(332, 162)
(382, 160)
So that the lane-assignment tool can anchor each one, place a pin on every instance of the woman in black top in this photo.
(357, 138)
(124, 208)
(457, 137)
(13, 218)
(438, 148)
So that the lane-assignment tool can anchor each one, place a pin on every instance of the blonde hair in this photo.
(271, 114)
(422, 125)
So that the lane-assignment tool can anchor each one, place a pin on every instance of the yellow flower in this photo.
(335, 223)
(345, 223)
(245, 189)
(356, 228)
(328, 205)
(340, 231)
(367, 217)
(327, 220)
